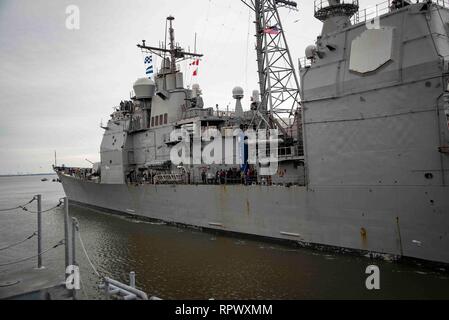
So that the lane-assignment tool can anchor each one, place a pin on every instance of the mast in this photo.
(279, 85)
(171, 32)
(260, 57)
(177, 54)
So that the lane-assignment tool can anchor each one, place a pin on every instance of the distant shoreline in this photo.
(26, 175)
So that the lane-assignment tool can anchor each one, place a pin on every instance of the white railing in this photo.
(290, 152)
(169, 179)
(321, 4)
(197, 113)
(442, 3)
(304, 62)
(372, 12)
(325, 8)
(387, 6)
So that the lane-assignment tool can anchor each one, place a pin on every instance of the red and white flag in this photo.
(275, 30)
(195, 63)
(195, 72)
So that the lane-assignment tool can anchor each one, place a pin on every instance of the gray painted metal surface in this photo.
(361, 218)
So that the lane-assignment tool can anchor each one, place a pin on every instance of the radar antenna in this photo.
(177, 54)
(279, 85)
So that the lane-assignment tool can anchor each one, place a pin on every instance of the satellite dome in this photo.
(144, 88)
(311, 51)
(237, 93)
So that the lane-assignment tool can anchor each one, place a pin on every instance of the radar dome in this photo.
(256, 96)
(311, 52)
(144, 88)
(237, 93)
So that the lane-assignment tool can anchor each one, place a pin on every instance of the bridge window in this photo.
(159, 120)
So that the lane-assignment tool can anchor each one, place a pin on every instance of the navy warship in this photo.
(350, 152)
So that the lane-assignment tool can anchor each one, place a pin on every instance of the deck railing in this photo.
(321, 4)
(304, 62)
(387, 6)
(372, 12)
(197, 113)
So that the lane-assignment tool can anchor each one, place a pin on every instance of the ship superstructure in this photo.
(137, 142)
(362, 147)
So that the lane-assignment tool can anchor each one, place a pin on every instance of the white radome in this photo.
(238, 93)
(144, 88)
(311, 52)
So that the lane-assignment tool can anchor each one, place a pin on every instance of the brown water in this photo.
(175, 263)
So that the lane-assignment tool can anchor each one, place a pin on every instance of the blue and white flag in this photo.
(149, 67)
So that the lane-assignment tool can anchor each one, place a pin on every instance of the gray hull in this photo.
(409, 222)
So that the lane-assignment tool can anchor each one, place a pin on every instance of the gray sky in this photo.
(57, 85)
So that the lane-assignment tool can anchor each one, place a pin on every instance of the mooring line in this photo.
(87, 255)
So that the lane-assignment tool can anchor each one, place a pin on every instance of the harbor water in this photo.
(179, 263)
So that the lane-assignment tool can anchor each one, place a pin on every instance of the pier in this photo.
(41, 283)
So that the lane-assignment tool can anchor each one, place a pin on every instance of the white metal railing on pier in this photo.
(123, 291)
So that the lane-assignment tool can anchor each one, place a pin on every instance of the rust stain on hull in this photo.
(364, 236)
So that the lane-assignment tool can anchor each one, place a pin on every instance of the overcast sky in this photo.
(57, 85)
